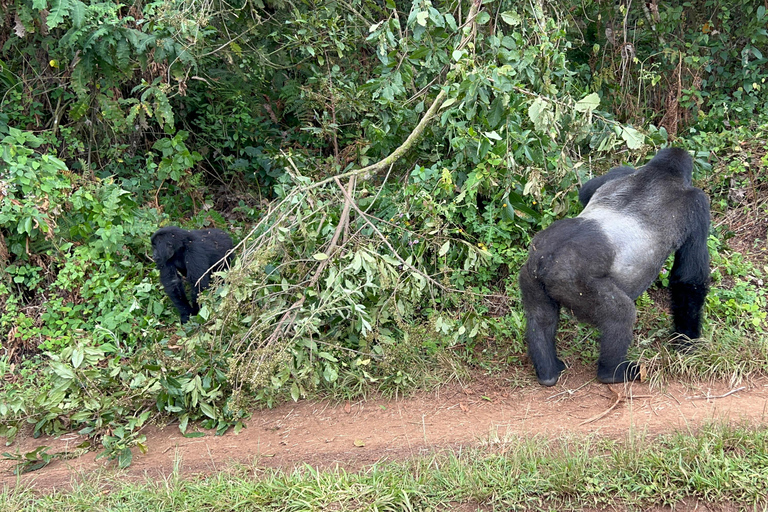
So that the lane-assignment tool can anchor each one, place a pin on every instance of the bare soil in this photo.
(356, 434)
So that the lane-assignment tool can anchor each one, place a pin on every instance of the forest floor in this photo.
(353, 435)
(485, 411)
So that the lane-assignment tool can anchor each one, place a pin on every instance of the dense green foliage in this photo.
(261, 119)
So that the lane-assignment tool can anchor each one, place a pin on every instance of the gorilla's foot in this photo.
(625, 372)
(683, 344)
(549, 378)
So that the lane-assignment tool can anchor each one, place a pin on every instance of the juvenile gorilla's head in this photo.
(165, 243)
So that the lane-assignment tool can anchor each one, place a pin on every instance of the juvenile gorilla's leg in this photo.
(542, 314)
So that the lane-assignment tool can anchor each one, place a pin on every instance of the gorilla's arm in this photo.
(174, 287)
(689, 278)
(589, 188)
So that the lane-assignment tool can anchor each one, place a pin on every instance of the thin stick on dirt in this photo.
(709, 397)
(571, 391)
(619, 397)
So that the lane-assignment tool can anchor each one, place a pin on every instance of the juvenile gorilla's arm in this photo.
(174, 287)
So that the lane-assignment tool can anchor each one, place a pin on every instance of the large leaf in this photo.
(632, 137)
(588, 103)
(513, 203)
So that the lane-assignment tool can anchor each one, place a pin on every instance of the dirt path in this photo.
(326, 434)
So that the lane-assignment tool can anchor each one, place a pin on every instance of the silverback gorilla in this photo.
(598, 263)
(193, 255)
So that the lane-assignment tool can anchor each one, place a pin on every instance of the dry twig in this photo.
(709, 397)
(619, 397)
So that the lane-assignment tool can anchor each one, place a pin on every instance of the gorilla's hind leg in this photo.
(542, 314)
(614, 316)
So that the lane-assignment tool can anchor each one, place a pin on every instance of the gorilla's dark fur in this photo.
(598, 263)
(193, 255)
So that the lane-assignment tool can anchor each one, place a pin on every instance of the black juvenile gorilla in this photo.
(193, 254)
(598, 263)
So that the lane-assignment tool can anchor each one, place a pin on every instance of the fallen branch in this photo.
(365, 217)
(397, 153)
(709, 397)
(415, 135)
(293, 310)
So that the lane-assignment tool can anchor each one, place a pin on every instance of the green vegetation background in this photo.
(384, 166)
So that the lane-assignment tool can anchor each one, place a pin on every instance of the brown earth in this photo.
(353, 435)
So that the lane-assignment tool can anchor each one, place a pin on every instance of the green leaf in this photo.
(588, 103)
(451, 21)
(422, 17)
(320, 256)
(125, 458)
(511, 18)
(632, 137)
(328, 357)
(62, 371)
(514, 202)
(59, 9)
(78, 14)
(448, 103)
(208, 410)
(445, 248)
(77, 357)
(483, 18)
(537, 107)
(295, 392)
(330, 374)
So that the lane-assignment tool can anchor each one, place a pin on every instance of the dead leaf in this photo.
(359, 443)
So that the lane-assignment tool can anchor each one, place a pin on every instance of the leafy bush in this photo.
(699, 62)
